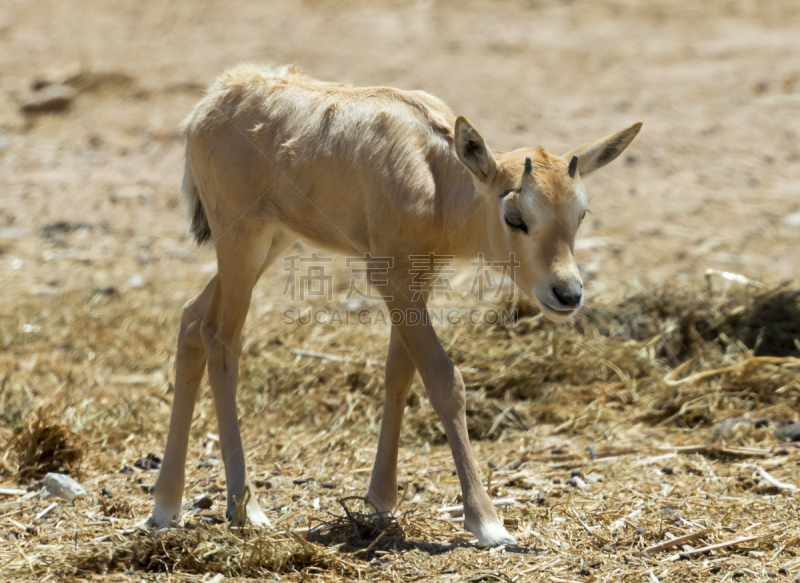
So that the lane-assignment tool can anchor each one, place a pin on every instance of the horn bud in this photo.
(573, 166)
(528, 165)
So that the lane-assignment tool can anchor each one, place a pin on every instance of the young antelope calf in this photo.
(273, 156)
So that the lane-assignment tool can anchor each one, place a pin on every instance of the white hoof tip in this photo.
(259, 521)
(494, 535)
(162, 518)
(378, 508)
(153, 523)
(253, 516)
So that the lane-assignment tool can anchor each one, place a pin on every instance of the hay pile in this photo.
(45, 445)
(640, 358)
(647, 438)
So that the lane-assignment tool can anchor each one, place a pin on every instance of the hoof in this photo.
(257, 518)
(379, 507)
(163, 516)
(493, 534)
(254, 516)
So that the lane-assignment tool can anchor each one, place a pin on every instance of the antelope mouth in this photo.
(559, 314)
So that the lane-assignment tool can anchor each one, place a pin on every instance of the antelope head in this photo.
(535, 204)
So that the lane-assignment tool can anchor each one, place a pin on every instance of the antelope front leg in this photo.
(400, 369)
(447, 394)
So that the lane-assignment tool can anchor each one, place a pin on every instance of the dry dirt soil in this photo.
(95, 264)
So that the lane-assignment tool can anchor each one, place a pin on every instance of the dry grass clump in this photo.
(357, 531)
(46, 445)
(202, 549)
(665, 356)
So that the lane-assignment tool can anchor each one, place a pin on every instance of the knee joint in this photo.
(449, 392)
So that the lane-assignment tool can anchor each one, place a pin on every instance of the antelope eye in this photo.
(516, 223)
(583, 216)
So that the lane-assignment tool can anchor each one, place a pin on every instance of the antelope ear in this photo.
(472, 151)
(596, 154)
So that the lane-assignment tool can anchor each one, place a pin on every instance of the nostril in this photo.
(568, 298)
(561, 299)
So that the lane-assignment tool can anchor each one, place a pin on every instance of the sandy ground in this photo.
(709, 183)
(89, 203)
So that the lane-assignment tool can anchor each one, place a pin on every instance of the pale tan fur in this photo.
(273, 155)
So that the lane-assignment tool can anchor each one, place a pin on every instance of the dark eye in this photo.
(516, 223)
(583, 216)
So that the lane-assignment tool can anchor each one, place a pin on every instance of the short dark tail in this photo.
(198, 221)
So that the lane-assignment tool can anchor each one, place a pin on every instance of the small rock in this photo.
(716, 569)
(355, 305)
(51, 230)
(49, 99)
(203, 502)
(270, 484)
(756, 554)
(667, 470)
(684, 557)
(789, 432)
(208, 462)
(761, 423)
(727, 426)
(556, 480)
(607, 549)
(126, 470)
(793, 220)
(783, 571)
(301, 481)
(641, 530)
(557, 451)
(328, 484)
(62, 486)
(574, 473)
(151, 462)
(576, 482)
(419, 487)
(107, 493)
(771, 574)
(668, 510)
(585, 572)
(540, 498)
(135, 281)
